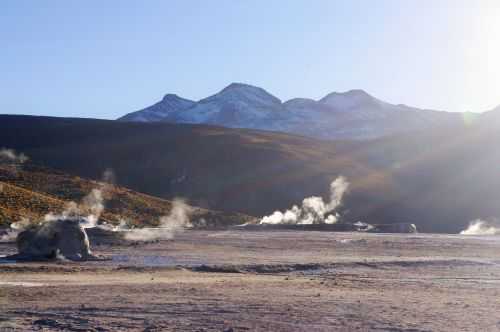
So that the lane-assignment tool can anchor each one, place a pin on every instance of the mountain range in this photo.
(349, 115)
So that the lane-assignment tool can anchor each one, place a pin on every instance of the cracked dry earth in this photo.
(256, 281)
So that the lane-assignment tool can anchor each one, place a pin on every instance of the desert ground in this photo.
(262, 281)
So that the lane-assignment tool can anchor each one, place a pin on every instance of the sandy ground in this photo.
(256, 281)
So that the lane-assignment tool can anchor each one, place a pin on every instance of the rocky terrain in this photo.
(263, 281)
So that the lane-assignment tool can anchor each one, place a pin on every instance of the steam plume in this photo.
(10, 156)
(176, 221)
(12, 161)
(90, 208)
(109, 176)
(87, 212)
(15, 229)
(481, 227)
(314, 210)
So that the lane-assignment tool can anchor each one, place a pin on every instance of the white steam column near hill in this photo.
(314, 210)
(481, 227)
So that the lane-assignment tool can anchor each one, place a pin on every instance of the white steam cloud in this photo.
(15, 229)
(89, 210)
(176, 221)
(11, 160)
(10, 156)
(314, 210)
(481, 227)
(91, 206)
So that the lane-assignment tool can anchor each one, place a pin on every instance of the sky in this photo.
(103, 59)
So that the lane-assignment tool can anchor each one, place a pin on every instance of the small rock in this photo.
(47, 322)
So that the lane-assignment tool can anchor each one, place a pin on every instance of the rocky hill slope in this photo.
(438, 179)
(31, 192)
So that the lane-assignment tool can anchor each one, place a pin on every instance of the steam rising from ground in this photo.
(481, 227)
(314, 210)
(10, 156)
(12, 160)
(176, 221)
(89, 210)
(91, 206)
(15, 228)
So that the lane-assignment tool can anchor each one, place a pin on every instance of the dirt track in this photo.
(277, 281)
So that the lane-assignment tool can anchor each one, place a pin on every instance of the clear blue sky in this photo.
(106, 58)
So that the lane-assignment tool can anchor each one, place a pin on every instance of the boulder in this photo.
(62, 238)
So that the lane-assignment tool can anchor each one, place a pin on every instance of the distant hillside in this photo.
(349, 115)
(33, 191)
(438, 179)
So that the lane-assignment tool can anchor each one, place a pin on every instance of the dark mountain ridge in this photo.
(438, 179)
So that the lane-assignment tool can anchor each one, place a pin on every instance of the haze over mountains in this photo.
(350, 115)
(440, 178)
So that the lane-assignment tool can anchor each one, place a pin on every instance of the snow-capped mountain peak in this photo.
(237, 105)
(171, 96)
(353, 114)
(161, 110)
(299, 102)
(349, 99)
(244, 93)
